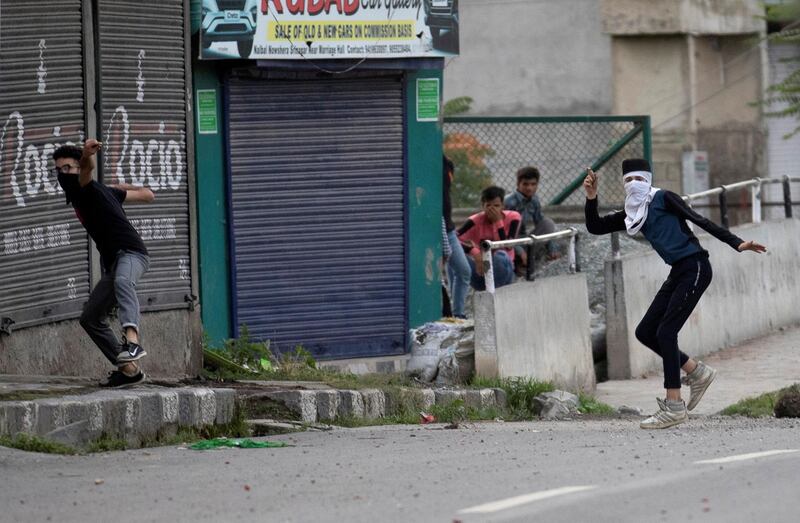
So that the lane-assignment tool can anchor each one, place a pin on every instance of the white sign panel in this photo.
(325, 29)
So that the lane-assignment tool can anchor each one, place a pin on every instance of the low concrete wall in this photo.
(173, 340)
(750, 295)
(536, 329)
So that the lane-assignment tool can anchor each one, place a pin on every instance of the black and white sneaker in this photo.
(118, 380)
(130, 352)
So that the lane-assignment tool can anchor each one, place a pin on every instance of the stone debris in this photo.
(626, 409)
(788, 404)
(555, 405)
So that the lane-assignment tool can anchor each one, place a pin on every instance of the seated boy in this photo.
(527, 204)
(495, 224)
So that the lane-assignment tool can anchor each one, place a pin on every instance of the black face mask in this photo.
(70, 184)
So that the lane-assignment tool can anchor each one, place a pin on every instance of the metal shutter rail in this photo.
(317, 198)
(144, 125)
(44, 253)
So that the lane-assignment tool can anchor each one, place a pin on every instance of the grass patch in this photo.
(762, 406)
(183, 435)
(237, 428)
(519, 394)
(36, 444)
(588, 404)
(106, 444)
(335, 378)
(521, 391)
(753, 407)
(245, 359)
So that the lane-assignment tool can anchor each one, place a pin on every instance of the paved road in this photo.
(605, 470)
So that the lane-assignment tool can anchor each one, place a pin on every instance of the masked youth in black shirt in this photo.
(123, 255)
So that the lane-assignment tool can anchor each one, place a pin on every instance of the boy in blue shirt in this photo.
(661, 217)
(527, 204)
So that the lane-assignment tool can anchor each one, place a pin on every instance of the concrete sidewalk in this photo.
(761, 365)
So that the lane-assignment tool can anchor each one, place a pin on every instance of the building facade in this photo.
(319, 186)
(117, 71)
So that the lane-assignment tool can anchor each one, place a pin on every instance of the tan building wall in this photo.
(650, 77)
(728, 125)
(531, 58)
(718, 17)
(697, 68)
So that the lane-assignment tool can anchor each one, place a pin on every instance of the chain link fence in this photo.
(489, 151)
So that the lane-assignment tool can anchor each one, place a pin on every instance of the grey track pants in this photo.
(116, 287)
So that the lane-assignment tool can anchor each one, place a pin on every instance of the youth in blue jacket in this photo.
(661, 218)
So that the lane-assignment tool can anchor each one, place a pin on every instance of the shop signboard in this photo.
(329, 29)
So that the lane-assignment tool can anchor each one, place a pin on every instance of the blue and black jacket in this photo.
(665, 227)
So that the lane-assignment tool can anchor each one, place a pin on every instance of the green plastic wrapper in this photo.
(216, 443)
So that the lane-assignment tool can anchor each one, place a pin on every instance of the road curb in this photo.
(144, 415)
(135, 415)
(323, 405)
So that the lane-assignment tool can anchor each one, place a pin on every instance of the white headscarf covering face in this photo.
(638, 195)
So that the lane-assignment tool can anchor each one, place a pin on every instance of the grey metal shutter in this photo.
(44, 263)
(317, 202)
(144, 126)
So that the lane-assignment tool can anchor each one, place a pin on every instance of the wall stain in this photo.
(429, 265)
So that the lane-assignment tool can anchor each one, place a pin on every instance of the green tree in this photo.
(469, 157)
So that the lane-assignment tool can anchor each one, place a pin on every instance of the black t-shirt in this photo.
(99, 208)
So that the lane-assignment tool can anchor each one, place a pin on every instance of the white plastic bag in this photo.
(437, 341)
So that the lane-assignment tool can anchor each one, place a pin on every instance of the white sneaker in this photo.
(666, 416)
(698, 381)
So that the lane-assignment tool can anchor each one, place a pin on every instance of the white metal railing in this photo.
(722, 191)
(487, 246)
(755, 196)
(754, 185)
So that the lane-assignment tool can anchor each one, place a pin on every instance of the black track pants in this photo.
(670, 309)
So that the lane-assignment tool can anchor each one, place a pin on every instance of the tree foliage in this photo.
(469, 157)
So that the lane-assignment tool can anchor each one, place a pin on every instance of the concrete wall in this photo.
(536, 329)
(532, 58)
(173, 340)
(750, 295)
(626, 17)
